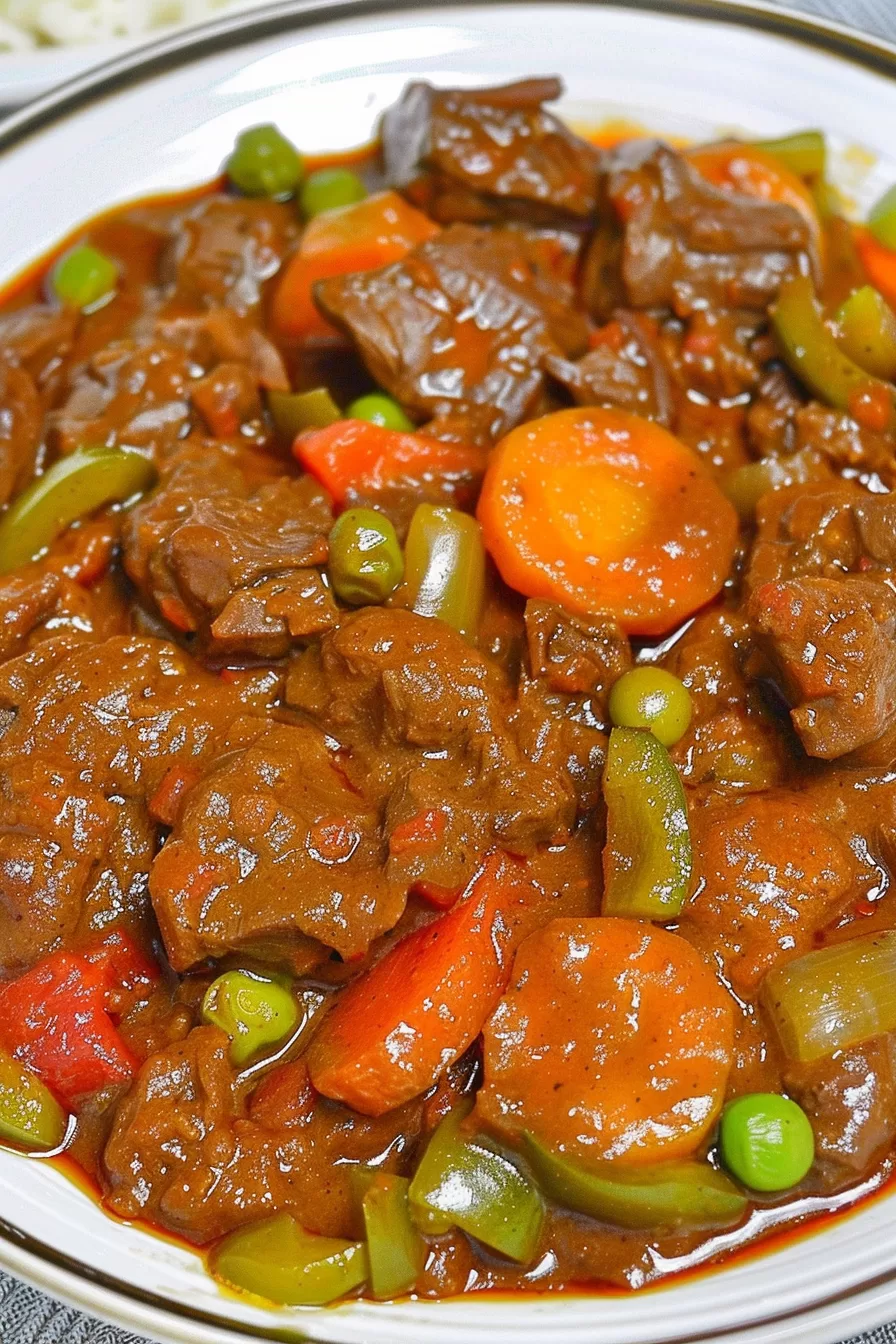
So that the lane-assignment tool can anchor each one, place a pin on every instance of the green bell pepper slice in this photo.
(867, 332)
(30, 1116)
(664, 1194)
(462, 1181)
(804, 152)
(294, 412)
(278, 1260)
(444, 564)
(70, 489)
(811, 351)
(882, 219)
(395, 1248)
(253, 1010)
(647, 855)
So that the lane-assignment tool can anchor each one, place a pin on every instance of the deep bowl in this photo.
(164, 119)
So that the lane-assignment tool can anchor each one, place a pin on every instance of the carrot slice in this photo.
(614, 1043)
(361, 237)
(605, 512)
(879, 263)
(395, 1029)
(754, 172)
(357, 458)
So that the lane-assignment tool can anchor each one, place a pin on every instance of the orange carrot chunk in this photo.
(605, 512)
(879, 263)
(355, 458)
(361, 237)
(613, 1044)
(397, 1027)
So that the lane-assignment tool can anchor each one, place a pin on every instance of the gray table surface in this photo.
(27, 1316)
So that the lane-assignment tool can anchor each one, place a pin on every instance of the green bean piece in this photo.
(70, 489)
(30, 1116)
(254, 1011)
(811, 351)
(278, 1260)
(84, 278)
(766, 1141)
(330, 189)
(379, 410)
(651, 698)
(804, 152)
(882, 219)
(463, 1182)
(867, 332)
(662, 1195)
(265, 163)
(647, 855)
(445, 567)
(366, 564)
(395, 1248)
(294, 412)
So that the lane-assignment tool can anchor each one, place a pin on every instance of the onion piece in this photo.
(834, 998)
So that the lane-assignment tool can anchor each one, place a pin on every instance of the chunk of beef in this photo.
(822, 531)
(21, 429)
(577, 655)
(460, 330)
(263, 621)
(831, 644)
(38, 339)
(850, 1099)
(184, 1154)
(488, 154)
(429, 724)
(626, 368)
(687, 244)
(211, 531)
(226, 248)
(274, 853)
(222, 335)
(117, 713)
(780, 423)
(770, 874)
(27, 598)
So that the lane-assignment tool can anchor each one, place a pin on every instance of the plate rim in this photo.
(96, 1292)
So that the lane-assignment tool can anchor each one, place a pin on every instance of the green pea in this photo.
(254, 1012)
(366, 563)
(766, 1141)
(84, 277)
(330, 189)
(379, 410)
(265, 163)
(882, 219)
(649, 697)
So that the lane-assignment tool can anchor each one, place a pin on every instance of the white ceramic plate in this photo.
(165, 119)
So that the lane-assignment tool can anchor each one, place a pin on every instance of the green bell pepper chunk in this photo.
(810, 350)
(444, 563)
(665, 1194)
(804, 152)
(882, 219)
(647, 856)
(30, 1116)
(867, 326)
(395, 1248)
(72, 488)
(464, 1182)
(254, 1012)
(278, 1260)
(294, 412)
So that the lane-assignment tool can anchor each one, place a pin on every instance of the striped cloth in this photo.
(28, 1317)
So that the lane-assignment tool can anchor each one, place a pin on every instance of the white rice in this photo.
(32, 23)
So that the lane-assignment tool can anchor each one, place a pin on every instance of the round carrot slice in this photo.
(613, 1043)
(755, 172)
(605, 512)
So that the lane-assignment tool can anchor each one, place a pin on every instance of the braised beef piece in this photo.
(207, 544)
(21, 429)
(184, 1152)
(686, 243)
(480, 155)
(38, 339)
(626, 368)
(225, 249)
(575, 654)
(274, 854)
(460, 330)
